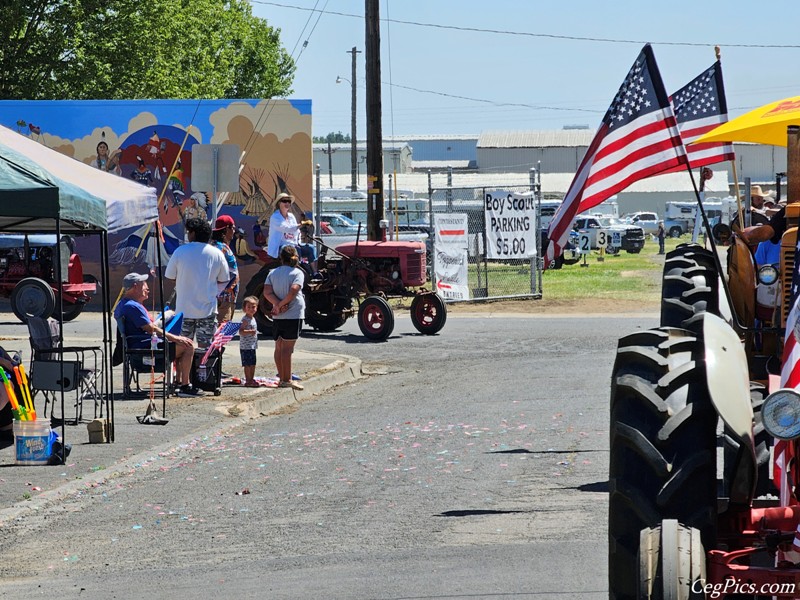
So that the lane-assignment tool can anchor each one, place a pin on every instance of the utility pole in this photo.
(330, 152)
(374, 131)
(353, 139)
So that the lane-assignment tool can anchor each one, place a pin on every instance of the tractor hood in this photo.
(367, 249)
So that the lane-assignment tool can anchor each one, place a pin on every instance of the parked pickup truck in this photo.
(648, 221)
(614, 233)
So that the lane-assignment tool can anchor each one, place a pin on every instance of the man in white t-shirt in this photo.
(200, 271)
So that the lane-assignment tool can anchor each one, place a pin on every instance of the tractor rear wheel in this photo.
(33, 297)
(327, 311)
(662, 446)
(690, 287)
(375, 318)
(428, 313)
(71, 311)
(672, 563)
(264, 312)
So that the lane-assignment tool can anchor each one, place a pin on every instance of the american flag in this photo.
(699, 107)
(784, 451)
(637, 138)
(222, 336)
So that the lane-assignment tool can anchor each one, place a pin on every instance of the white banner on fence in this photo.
(450, 265)
(510, 224)
(451, 228)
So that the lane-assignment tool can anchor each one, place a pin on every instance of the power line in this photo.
(532, 34)
(492, 102)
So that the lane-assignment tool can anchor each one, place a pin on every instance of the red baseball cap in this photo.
(223, 222)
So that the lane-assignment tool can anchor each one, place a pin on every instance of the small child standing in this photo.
(248, 340)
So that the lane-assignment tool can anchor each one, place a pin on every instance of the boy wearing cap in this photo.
(224, 229)
(139, 327)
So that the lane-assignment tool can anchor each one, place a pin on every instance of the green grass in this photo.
(630, 277)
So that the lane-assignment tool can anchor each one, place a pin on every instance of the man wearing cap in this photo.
(200, 271)
(139, 327)
(221, 237)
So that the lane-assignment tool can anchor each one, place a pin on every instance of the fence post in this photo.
(449, 189)
(431, 231)
(538, 232)
(317, 224)
(484, 289)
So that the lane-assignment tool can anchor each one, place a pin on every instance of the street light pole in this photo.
(353, 134)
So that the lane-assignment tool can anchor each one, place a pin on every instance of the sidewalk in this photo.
(29, 488)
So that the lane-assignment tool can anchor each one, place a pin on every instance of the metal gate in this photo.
(489, 278)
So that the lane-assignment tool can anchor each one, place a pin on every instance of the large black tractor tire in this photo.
(327, 311)
(255, 287)
(764, 484)
(325, 323)
(71, 311)
(672, 563)
(662, 462)
(690, 287)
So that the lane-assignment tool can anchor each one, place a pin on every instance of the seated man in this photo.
(139, 327)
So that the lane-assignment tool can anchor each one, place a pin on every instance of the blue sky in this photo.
(576, 76)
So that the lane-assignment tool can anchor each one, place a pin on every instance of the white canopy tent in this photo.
(128, 204)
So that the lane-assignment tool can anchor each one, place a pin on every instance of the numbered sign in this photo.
(584, 243)
(606, 238)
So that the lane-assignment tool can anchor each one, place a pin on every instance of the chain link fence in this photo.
(501, 262)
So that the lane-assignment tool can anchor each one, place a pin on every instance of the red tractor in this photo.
(369, 273)
(28, 277)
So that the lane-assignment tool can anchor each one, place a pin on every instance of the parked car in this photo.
(342, 224)
(648, 221)
(611, 233)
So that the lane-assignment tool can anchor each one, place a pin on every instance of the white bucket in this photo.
(32, 442)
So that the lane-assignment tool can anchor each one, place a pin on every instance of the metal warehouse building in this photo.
(498, 158)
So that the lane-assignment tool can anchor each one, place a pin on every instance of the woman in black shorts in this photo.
(284, 290)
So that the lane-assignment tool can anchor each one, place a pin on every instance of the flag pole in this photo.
(713, 244)
(739, 210)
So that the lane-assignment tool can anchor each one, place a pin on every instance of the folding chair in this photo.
(54, 368)
(141, 361)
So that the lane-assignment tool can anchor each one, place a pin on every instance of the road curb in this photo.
(342, 369)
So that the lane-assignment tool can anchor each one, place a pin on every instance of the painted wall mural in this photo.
(150, 141)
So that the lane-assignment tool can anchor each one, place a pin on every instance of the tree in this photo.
(93, 49)
(333, 138)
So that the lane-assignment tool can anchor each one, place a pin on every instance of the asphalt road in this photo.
(472, 464)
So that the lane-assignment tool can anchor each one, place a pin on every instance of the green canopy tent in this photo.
(32, 200)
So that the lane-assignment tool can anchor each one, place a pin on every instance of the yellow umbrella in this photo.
(764, 125)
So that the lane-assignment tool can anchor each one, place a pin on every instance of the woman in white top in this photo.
(285, 231)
